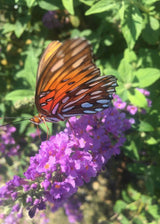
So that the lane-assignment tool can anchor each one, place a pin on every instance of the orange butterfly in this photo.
(69, 83)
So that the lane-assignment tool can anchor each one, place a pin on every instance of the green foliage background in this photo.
(126, 41)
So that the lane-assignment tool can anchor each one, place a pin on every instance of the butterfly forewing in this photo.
(69, 83)
(47, 56)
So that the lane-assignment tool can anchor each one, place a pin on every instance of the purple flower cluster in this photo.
(7, 142)
(120, 104)
(51, 20)
(72, 210)
(67, 160)
(146, 93)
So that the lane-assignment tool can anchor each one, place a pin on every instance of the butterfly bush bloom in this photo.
(68, 160)
(72, 210)
(7, 142)
(119, 104)
(132, 109)
(51, 21)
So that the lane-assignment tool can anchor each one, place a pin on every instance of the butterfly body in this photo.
(69, 83)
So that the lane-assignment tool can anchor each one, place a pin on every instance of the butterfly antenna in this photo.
(13, 122)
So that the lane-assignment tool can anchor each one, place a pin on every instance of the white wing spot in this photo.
(75, 101)
(49, 99)
(98, 109)
(93, 84)
(114, 84)
(95, 79)
(96, 92)
(43, 104)
(71, 115)
(44, 94)
(68, 109)
(60, 116)
(105, 105)
(73, 89)
(64, 80)
(110, 90)
(58, 65)
(55, 109)
(94, 97)
(89, 112)
(81, 91)
(103, 101)
(52, 119)
(65, 99)
(60, 54)
(107, 84)
(78, 62)
(86, 105)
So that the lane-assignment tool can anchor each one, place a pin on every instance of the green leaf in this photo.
(30, 3)
(151, 141)
(132, 151)
(2, 112)
(51, 6)
(19, 27)
(119, 206)
(87, 2)
(134, 194)
(149, 182)
(136, 168)
(124, 219)
(149, 2)
(131, 23)
(137, 220)
(126, 197)
(132, 206)
(151, 33)
(75, 21)
(8, 28)
(109, 40)
(147, 76)
(145, 126)
(68, 4)
(30, 69)
(154, 211)
(138, 99)
(154, 23)
(19, 94)
(23, 126)
(47, 128)
(101, 6)
(125, 70)
(130, 56)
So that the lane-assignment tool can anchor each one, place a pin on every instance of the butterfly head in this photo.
(38, 119)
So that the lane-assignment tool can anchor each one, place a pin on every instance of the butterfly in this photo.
(69, 83)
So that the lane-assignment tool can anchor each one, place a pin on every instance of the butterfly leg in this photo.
(44, 121)
(39, 132)
(72, 129)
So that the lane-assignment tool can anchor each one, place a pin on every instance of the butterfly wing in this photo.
(48, 54)
(69, 83)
